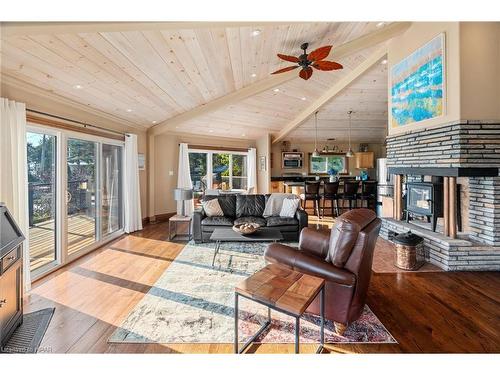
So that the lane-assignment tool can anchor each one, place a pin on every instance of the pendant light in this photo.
(316, 152)
(349, 153)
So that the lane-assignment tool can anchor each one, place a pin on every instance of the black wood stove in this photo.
(424, 199)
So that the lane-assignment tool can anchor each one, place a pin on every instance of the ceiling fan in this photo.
(305, 61)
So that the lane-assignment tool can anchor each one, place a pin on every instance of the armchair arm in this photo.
(198, 216)
(302, 217)
(302, 262)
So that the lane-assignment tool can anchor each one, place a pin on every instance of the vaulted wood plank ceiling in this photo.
(151, 75)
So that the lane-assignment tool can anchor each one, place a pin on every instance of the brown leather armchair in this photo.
(342, 256)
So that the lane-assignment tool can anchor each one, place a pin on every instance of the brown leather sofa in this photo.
(342, 256)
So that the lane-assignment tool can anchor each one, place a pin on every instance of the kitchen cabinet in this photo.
(364, 160)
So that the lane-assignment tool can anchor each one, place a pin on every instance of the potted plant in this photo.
(332, 172)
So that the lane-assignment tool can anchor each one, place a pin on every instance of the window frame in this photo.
(209, 162)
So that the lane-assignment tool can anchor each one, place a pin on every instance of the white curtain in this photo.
(252, 170)
(14, 171)
(184, 179)
(132, 194)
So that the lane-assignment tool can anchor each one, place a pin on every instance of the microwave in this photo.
(292, 160)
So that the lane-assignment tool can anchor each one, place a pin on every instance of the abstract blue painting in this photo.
(417, 84)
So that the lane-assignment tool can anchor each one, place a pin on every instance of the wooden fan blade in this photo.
(319, 54)
(285, 69)
(306, 73)
(327, 65)
(288, 58)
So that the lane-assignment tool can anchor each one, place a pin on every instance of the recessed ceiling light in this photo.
(380, 24)
(77, 87)
(177, 127)
(154, 122)
(211, 131)
(276, 90)
(303, 98)
(384, 61)
(243, 135)
(129, 110)
(253, 75)
(256, 32)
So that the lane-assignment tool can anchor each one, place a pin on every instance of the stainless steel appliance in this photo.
(385, 184)
(11, 275)
(291, 160)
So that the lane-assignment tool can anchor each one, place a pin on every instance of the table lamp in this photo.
(181, 194)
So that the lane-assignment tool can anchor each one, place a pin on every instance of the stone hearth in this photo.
(460, 254)
(468, 152)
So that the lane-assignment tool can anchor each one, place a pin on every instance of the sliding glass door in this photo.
(81, 194)
(42, 204)
(75, 195)
(111, 172)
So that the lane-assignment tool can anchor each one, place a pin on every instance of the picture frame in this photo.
(141, 161)
(417, 97)
(262, 163)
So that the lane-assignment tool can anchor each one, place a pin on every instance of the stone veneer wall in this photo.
(484, 209)
(448, 254)
(459, 144)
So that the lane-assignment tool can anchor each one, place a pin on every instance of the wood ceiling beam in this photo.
(346, 49)
(332, 92)
(37, 28)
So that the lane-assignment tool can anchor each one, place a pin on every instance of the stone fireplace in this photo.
(460, 163)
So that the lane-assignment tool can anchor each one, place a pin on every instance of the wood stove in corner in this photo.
(424, 199)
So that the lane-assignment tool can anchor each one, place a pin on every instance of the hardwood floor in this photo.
(426, 312)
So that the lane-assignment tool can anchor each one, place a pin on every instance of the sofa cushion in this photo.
(250, 205)
(212, 208)
(276, 221)
(221, 221)
(226, 201)
(250, 219)
(289, 207)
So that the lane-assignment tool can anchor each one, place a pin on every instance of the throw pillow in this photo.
(289, 207)
(212, 208)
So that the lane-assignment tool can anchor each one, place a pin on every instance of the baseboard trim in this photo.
(158, 218)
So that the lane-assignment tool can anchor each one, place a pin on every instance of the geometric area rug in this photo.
(193, 302)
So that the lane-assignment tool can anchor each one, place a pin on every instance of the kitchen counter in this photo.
(302, 179)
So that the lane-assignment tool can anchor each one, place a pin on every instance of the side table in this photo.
(283, 290)
(173, 221)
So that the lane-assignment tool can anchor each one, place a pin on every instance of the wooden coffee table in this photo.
(284, 290)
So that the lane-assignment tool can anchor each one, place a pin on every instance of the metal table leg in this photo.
(217, 247)
(322, 312)
(264, 326)
(297, 334)
(236, 323)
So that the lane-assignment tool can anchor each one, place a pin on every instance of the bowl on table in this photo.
(246, 228)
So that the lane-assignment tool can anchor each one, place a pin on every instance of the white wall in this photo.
(263, 146)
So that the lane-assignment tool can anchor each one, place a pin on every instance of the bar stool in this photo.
(331, 193)
(311, 192)
(368, 193)
(350, 193)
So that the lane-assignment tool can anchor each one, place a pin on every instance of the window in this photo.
(228, 170)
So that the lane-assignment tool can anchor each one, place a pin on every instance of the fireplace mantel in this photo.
(446, 171)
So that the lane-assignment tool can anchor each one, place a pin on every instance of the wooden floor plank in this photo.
(425, 312)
